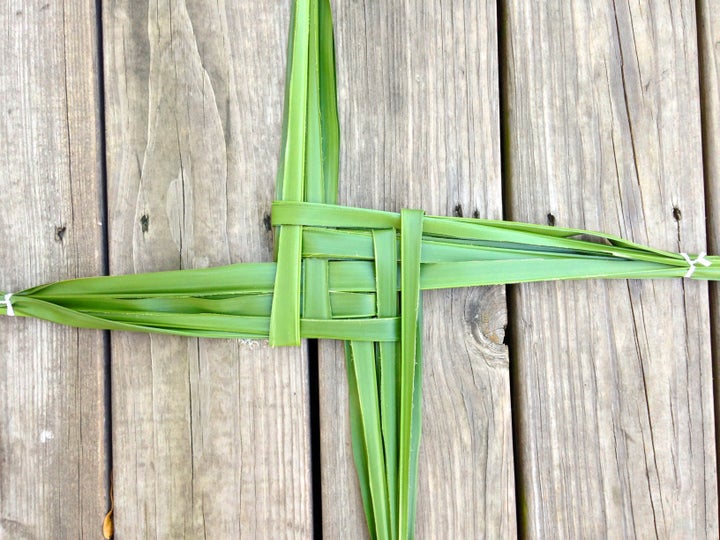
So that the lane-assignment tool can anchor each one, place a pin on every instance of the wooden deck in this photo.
(144, 137)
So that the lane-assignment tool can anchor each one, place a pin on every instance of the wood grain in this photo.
(418, 98)
(52, 447)
(210, 438)
(613, 380)
(709, 55)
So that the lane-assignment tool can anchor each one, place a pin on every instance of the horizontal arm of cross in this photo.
(347, 257)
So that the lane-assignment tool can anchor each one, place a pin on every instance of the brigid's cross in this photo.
(349, 274)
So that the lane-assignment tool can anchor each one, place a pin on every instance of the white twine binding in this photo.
(693, 263)
(8, 304)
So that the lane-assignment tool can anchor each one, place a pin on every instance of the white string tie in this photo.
(8, 304)
(693, 263)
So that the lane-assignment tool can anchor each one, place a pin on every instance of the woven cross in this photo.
(350, 274)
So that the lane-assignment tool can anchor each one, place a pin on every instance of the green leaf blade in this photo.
(410, 370)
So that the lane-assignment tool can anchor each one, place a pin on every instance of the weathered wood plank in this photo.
(52, 448)
(210, 438)
(613, 380)
(419, 108)
(709, 54)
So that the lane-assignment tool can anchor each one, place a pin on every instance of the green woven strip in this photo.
(354, 244)
(328, 103)
(502, 234)
(285, 316)
(385, 329)
(352, 305)
(338, 244)
(242, 327)
(385, 251)
(247, 305)
(364, 375)
(207, 324)
(316, 297)
(313, 173)
(359, 437)
(291, 170)
(341, 305)
(235, 278)
(474, 273)
(325, 215)
(410, 367)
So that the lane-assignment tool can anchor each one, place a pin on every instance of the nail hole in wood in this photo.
(551, 219)
(60, 233)
(677, 214)
(458, 211)
(145, 223)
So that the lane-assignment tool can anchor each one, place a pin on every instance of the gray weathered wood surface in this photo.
(613, 379)
(610, 424)
(210, 438)
(52, 447)
(709, 55)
